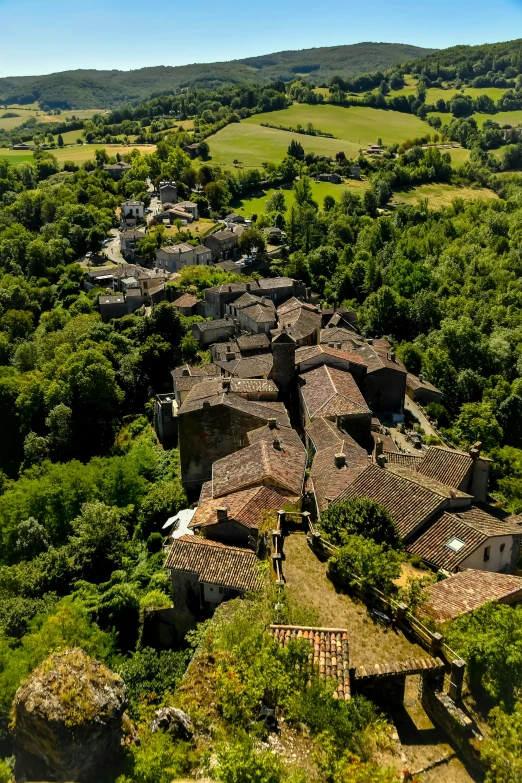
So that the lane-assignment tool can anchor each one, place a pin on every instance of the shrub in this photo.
(360, 516)
(363, 558)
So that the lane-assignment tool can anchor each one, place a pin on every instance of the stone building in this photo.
(208, 332)
(422, 391)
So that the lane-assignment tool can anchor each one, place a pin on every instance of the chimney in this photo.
(277, 444)
(230, 288)
(331, 345)
(272, 424)
(206, 403)
(392, 356)
(340, 460)
(248, 286)
(222, 514)
(381, 461)
(474, 451)
(379, 447)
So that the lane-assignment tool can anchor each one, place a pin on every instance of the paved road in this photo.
(112, 249)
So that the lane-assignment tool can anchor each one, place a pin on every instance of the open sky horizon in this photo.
(45, 37)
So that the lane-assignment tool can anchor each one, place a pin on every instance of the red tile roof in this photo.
(409, 502)
(329, 475)
(261, 463)
(414, 382)
(327, 391)
(311, 351)
(411, 461)
(445, 465)
(323, 433)
(468, 590)
(186, 300)
(473, 527)
(287, 436)
(244, 507)
(329, 652)
(215, 563)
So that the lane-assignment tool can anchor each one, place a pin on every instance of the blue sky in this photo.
(39, 37)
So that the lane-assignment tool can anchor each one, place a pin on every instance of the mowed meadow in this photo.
(354, 128)
(80, 153)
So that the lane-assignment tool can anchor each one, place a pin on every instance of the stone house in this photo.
(184, 379)
(208, 332)
(278, 289)
(235, 519)
(422, 391)
(186, 304)
(234, 365)
(117, 170)
(205, 573)
(255, 314)
(329, 393)
(128, 242)
(168, 192)
(132, 210)
(300, 320)
(112, 306)
(309, 357)
(213, 423)
(334, 468)
(192, 150)
(222, 243)
(190, 207)
(175, 257)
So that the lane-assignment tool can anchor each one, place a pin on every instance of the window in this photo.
(487, 550)
(455, 544)
(502, 547)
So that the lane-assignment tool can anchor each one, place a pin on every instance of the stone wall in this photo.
(385, 389)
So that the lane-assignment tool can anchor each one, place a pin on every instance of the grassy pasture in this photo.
(253, 145)
(78, 154)
(441, 195)
(256, 203)
(32, 110)
(360, 125)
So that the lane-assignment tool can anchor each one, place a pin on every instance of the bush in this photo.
(148, 675)
(241, 761)
(363, 558)
(360, 516)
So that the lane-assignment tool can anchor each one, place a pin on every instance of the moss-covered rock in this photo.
(67, 719)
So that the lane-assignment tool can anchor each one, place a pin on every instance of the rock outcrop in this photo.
(176, 722)
(67, 719)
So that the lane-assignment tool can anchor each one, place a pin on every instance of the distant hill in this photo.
(468, 62)
(103, 89)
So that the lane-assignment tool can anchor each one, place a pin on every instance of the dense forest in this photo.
(106, 89)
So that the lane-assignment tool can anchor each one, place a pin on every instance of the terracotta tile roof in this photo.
(471, 527)
(275, 282)
(287, 436)
(259, 366)
(252, 342)
(248, 299)
(253, 386)
(328, 391)
(323, 433)
(387, 441)
(181, 247)
(330, 475)
(206, 492)
(468, 590)
(311, 351)
(200, 249)
(414, 382)
(446, 465)
(260, 314)
(409, 502)
(261, 463)
(222, 236)
(336, 334)
(219, 323)
(219, 350)
(215, 563)
(410, 461)
(186, 300)
(329, 652)
(201, 371)
(212, 391)
(244, 507)
(300, 320)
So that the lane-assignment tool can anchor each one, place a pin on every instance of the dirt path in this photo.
(369, 641)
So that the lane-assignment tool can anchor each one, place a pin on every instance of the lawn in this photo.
(199, 228)
(369, 641)
(357, 125)
(256, 204)
(15, 157)
(32, 110)
(440, 195)
(458, 155)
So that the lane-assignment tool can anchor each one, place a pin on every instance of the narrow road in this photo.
(112, 249)
(414, 409)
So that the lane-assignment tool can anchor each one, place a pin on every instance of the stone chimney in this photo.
(277, 444)
(248, 286)
(381, 460)
(379, 448)
(272, 424)
(392, 356)
(480, 474)
(222, 514)
(340, 460)
(370, 340)
(474, 451)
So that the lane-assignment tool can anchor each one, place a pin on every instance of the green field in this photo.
(458, 155)
(32, 110)
(513, 118)
(354, 128)
(359, 125)
(440, 195)
(78, 154)
(256, 204)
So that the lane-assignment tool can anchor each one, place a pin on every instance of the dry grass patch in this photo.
(369, 641)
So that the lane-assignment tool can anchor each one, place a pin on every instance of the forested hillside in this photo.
(105, 89)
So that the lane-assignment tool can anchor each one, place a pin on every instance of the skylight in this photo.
(455, 544)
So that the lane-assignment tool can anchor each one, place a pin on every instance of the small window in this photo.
(455, 544)
(487, 551)
(502, 547)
